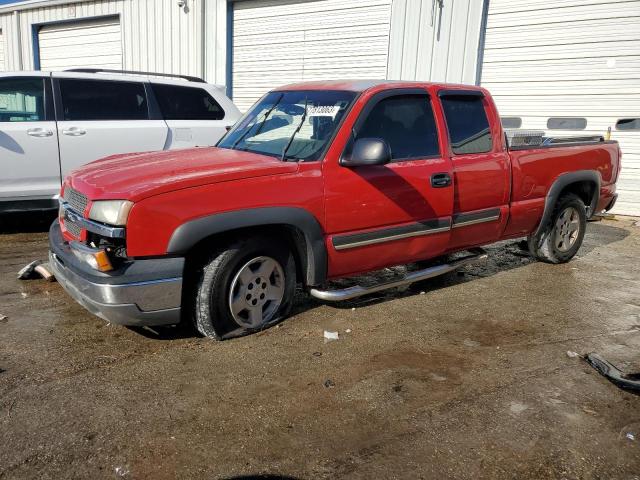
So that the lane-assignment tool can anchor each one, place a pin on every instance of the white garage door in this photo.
(95, 43)
(570, 58)
(279, 42)
(2, 66)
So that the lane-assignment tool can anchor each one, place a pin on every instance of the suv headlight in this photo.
(111, 212)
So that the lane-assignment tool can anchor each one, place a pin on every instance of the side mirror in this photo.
(368, 152)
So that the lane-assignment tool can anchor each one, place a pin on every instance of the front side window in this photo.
(103, 100)
(295, 125)
(22, 99)
(186, 103)
(467, 123)
(406, 123)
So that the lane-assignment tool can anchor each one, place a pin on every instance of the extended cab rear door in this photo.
(98, 118)
(395, 213)
(481, 167)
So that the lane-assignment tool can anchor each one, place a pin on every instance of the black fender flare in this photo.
(560, 184)
(192, 232)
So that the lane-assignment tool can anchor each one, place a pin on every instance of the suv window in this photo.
(406, 123)
(22, 99)
(186, 103)
(467, 123)
(103, 100)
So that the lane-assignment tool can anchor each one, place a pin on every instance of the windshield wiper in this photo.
(244, 135)
(304, 117)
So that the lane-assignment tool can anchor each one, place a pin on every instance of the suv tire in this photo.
(561, 237)
(244, 287)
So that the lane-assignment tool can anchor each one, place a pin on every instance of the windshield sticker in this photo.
(323, 111)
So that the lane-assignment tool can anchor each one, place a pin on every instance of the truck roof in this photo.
(362, 85)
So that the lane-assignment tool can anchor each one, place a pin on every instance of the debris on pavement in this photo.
(630, 436)
(328, 383)
(627, 381)
(571, 354)
(348, 330)
(330, 336)
(3, 318)
(36, 269)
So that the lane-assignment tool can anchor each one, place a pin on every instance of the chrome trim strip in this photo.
(389, 234)
(475, 217)
(357, 291)
(391, 238)
(90, 225)
(474, 222)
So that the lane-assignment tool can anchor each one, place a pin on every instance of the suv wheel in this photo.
(560, 239)
(243, 288)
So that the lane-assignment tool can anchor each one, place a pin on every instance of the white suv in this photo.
(51, 123)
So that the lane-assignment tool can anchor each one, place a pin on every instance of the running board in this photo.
(477, 254)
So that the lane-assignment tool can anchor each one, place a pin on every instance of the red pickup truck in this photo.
(318, 181)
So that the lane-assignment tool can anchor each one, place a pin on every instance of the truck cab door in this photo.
(99, 118)
(28, 139)
(392, 214)
(481, 168)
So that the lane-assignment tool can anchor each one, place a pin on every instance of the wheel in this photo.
(560, 239)
(244, 287)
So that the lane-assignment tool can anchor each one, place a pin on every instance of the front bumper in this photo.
(142, 292)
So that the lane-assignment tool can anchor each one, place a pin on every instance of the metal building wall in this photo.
(435, 40)
(157, 35)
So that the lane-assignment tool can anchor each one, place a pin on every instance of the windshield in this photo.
(294, 125)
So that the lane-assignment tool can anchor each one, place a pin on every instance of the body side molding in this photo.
(190, 233)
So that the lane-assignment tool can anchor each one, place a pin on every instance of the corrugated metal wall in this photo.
(435, 41)
(157, 35)
(570, 58)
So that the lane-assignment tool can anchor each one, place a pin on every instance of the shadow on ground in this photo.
(27, 222)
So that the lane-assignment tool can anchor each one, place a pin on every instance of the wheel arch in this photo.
(300, 227)
(584, 183)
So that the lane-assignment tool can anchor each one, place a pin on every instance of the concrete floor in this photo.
(465, 376)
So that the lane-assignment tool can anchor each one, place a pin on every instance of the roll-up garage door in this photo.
(279, 42)
(94, 43)
(574, 60)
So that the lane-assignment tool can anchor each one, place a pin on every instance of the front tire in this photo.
(244, 287)
(561, 237)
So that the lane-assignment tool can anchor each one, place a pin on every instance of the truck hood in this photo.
(141, 175)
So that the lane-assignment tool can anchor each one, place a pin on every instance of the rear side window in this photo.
(103, 100)
(22, 99)
(406, 123)
(566, 123)
(628, 124)
(467, 123)
(186, 103)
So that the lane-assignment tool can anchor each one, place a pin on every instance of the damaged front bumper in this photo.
(139, 293)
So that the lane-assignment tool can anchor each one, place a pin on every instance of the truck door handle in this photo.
(74, 131)
(39, 132)
(440, 180)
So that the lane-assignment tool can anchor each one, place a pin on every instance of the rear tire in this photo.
(561, 237)
(244, 287)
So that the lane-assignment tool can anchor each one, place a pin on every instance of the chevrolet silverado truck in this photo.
(318, 181)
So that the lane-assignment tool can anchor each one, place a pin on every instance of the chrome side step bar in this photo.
(477, 254)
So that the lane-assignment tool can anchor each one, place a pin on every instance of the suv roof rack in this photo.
(134, 72)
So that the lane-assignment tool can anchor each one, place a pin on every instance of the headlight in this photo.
(112, 212)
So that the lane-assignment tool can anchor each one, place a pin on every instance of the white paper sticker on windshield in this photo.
(323, 111)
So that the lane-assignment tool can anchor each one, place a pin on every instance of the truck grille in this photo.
(76, 200)
(73, 228)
